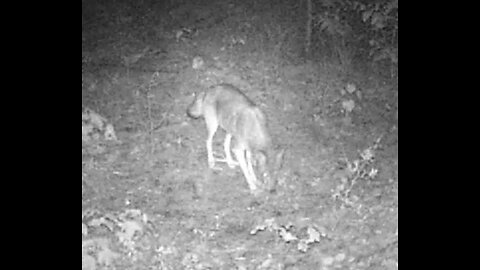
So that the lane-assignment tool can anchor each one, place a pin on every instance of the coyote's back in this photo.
(235, 113)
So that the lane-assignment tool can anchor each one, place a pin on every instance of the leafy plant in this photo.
(351, 28)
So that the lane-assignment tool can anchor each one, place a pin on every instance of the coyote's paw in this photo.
(231, 163)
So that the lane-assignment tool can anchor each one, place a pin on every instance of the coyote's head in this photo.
(195, 109)
(268, 165)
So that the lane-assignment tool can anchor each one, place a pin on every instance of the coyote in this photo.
(226, 106)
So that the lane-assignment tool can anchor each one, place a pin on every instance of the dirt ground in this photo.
(149, 200)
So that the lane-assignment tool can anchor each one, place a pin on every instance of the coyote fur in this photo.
(226, 106)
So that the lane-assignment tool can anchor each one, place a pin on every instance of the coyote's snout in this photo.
(226, 106)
